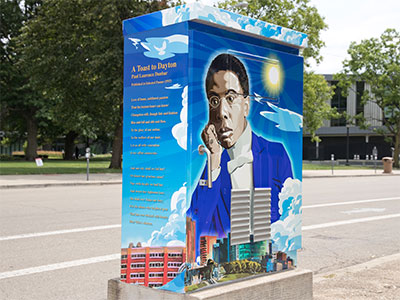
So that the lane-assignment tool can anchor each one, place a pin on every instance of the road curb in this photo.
(44, 185)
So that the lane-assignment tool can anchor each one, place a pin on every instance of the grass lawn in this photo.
(234, 276)
(100, 164)
(338, 167)
(195, 287)
(55, 166)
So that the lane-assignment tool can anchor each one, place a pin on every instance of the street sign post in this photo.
(87, 155)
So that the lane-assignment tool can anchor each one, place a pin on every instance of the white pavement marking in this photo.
(63, 265)
(351, 202)
(98, 259)
(363, 210)
(36, 234)
(361, 220)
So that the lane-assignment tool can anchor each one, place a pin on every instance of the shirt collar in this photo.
(243, 144)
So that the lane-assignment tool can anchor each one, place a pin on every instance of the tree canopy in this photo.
(22, 108)
(73, 53)
(62, 64)
(376, 61)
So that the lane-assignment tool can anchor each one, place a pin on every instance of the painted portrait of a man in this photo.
(240, 159)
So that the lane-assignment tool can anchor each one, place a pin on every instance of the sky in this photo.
(349, 20)
(352, 20)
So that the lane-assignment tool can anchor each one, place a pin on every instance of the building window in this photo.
(172, 274)
(340, 103)
(174, 264)
(123, 276)
(156, 275)
(123, 266)
(138, 266)
(156, 265)
(360, 86)
(157, 254)
(174, 255)
(137, 275)
(124, 256)
(138, 255)
(155, 284)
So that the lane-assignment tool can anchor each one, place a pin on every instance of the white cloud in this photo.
(285, 119)
(174, 86)
(179, 131)
(173, 233)
(198, 11)
(254, 29)
(165, 47)
(286, 232)
(135, 42)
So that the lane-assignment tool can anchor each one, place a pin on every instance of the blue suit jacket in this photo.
(210, 208)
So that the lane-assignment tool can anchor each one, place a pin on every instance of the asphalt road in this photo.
(64, 242)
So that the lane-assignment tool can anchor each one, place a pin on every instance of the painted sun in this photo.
(273, 77)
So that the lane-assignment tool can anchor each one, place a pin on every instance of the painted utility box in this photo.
(212, 148)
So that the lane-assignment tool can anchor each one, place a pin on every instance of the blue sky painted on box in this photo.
(157, 49)
(281, 122)
(215, 15)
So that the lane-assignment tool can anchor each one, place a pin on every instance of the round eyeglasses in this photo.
(215, 101)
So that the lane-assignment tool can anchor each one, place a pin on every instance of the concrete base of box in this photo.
(294, 284)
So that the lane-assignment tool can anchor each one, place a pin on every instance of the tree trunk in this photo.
(70, 145)
(116, 158)
(32, 129)
(396, 149)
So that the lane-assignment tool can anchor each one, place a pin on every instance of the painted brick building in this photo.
(206, 247)
(191, 240)
(151, 266)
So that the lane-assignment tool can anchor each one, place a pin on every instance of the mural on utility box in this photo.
(212, 154)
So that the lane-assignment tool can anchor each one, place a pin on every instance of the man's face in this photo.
(228, 107)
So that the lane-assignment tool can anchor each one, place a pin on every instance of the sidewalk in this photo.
(346, 173)
(376, 279)
(27, 181)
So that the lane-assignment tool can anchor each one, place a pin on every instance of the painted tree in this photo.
(376, 61)
(301, 16)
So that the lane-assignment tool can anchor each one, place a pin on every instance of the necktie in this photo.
(240, 161)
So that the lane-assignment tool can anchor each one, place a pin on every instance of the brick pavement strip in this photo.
(373, 280)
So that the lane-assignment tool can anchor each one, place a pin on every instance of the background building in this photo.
(334, 132)
(191, 240)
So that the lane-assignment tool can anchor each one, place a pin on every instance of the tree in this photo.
(316, 108)
(22, 109)
(108, 62)
(297, 15)
(75, 52)
(56, 46)
(376, 61)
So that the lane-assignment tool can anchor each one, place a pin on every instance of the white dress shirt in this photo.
(240, 167)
